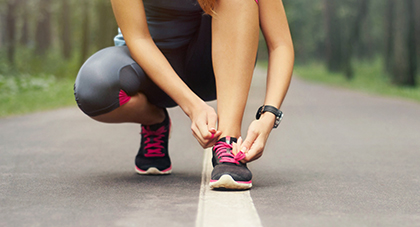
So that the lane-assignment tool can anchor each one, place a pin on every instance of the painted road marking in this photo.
(221, 208)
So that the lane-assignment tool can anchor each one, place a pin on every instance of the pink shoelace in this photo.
(153, 141)
(224, 154)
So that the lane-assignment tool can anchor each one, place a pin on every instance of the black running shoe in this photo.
(153, 157)
(228, 172)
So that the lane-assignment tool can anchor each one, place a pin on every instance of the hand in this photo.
(258, 132)
(203, 125)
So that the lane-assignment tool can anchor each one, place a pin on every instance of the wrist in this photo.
(278, 114)
(192, 105)
(268, 119)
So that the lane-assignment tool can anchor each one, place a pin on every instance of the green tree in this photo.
(43, 36)
(353, 36)
(333, 49)
(10, 40)
(85, 31)
(65, 28)
(404, 47)
(24, 36)
(106, 24)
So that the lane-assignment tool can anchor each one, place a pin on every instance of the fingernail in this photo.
(243, 149)
(212, 136)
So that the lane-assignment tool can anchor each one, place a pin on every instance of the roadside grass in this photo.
(26, 94)
(369, 77)
(34, 82)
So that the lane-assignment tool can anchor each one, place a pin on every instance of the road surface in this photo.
(339, 158)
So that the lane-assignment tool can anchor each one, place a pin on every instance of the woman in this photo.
(170, 53)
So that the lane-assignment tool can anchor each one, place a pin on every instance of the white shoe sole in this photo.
(227, 182)
(153, 171)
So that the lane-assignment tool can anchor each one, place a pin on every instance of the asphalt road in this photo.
(339, 158)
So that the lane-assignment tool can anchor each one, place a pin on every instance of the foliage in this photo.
(78, 28)
(51, 63)
(369, 77)
(338, 31)
(27, 93)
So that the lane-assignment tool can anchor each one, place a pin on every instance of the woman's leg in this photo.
(107, 89)
(137, 110)
(235, 32)
(112, 88)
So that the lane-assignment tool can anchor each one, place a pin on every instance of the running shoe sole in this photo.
(227, 182)
(153, 171)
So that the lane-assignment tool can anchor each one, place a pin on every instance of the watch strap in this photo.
(267, 108)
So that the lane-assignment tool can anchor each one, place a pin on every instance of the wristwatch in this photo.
(266, 108)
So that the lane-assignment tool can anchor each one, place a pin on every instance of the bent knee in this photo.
(98, 88)
(95, 95)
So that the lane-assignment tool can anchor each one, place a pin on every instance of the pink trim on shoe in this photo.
(166, 170)
(239, 182)
(226, 181)
(123, 97)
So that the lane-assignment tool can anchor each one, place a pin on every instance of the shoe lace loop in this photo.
(224, 154)
(154, 141)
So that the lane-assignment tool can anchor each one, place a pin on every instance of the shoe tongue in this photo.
(228, 140)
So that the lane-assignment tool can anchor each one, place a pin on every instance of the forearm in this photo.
(156, 66)
(131, 18)
(280, 69)
(276, 32)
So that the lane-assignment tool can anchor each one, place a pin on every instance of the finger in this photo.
(214, 137)
(249, 140)
(255, 157)
(199, 141)
(234, 148)
(240, 142)
(214, 140)
(203, 130)
(197, 135)
(217, 135)
(255, 151)
(211, 123)
(205, 142)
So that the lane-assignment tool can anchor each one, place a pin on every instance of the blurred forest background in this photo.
(44, 42)
(52, 37)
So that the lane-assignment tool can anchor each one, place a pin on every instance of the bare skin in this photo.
(235, 31)
(234, 59)
(136, 110)
(276, 32)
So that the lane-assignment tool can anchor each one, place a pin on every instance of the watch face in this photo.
(278, 119)
(277, 122)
